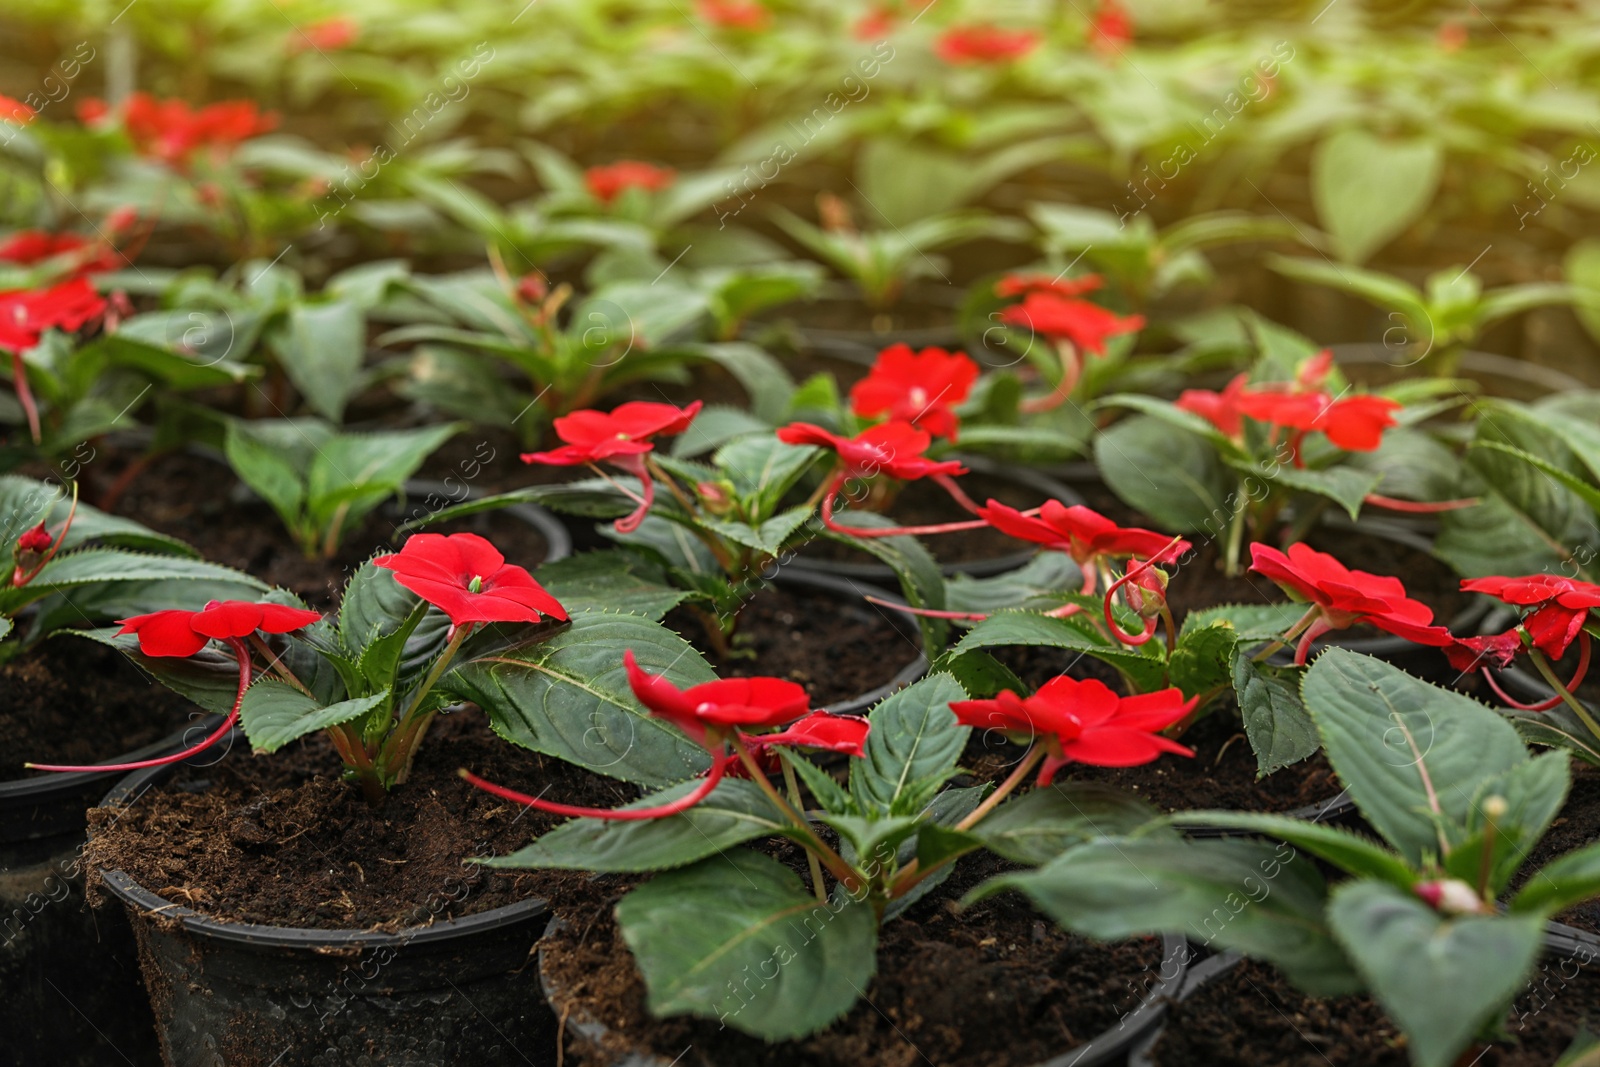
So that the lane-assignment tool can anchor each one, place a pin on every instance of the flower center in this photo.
(476, 585)
(919, 396)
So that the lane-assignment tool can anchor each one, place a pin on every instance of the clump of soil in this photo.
(835, 646)
(199, 500)
(1250, 1016)
(75, 701)
(282, 840)
(996, 985)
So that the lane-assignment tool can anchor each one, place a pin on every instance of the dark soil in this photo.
(282, 840)
(1251, 1017)
(994, 986)
(199, 500)
(75, 701)
(1576, 826)
(837, 647)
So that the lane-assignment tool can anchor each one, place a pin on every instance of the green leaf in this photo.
(763, 468)
(1346, 486)
(1558, 885)
(1582, 267)
(1252, 896)
(1202, 659)
(355, 472)
(1345, 849)
(612, 580)
(768, 537)
(271, 456)
(833, 797)
(1172, 475)
(1412, 755)
(115, 566)
(568, 697)
(1533, 793)
(275, 713)
(321, 350)
(1557, 728)
(698, 934)
(1038, 826)
(1368, 190)
(914, 737)
(735, 812)
(1252, 622)
(1033, 585)
(1442, 979)
(1145, 665)
(1275, 719)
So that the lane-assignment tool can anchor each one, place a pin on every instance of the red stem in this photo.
(1585, 649)
(1419, 507)
(19, 381)
(928, 613)
(1071, 371)
(676, 807)
(629, 523)
(1318, 627)
(890, 531)
(948, 484)
(242, 652)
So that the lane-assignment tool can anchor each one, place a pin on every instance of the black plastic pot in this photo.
(852, 595)
(1559, 941)
(1105, 1048)
(455, 991)
(50, 939)
(1047, 487)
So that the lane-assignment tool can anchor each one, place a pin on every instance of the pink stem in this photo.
(243, 654)
(956, 493)
(629, 523)
(1318, 627)
(929, 613)
(19, 381)
(676, 807)
(1585, 649)
(1071, 370)
(889, 531)
(1419, 507)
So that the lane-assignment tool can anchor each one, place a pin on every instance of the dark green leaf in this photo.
(1038, 826)
(915, 736)
(1275, 719)
(275, 713)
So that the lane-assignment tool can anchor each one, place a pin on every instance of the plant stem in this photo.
(1549, 675)
(399, 749)
(1004, 789)
(846, 874)
(794, 796)
(1230, 556)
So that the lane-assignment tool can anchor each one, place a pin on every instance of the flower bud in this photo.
(1451, 896)
(1146, 592)
(31, 553)
(1495, 808)
(715, 497)
(532, 287)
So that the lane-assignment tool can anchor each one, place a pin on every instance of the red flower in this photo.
(824, 730)
(735, 14)
(468, 579)
(1345, 597)
(612, 180)
(592, 436)
(1471, 653)
(14, 111)
(1111, 28)
(29, 248)
(711, 710)
(984, 44)
(1083, 722)
(172, 131)
(25, 314)
(326, 36)
(1080, 532)
(1014, 285)
(1561, 606)
(37, 539)
(875, 24)
(183, 633)
(1086, 325)
(894, 449)
(920, 388)
(1219, 409)
(1355, 423)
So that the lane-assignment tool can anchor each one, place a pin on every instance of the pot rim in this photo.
(1101, 1048)
(53, 786)
(265, 937)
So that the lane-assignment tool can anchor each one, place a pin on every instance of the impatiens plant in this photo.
(1230, 463)
(322, 482)
(443, 620)
(882, 261)
(1436, 916)
(713, 529)
(877, 842)
(66, 564)
(1057, 321)
(466, 329)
